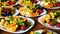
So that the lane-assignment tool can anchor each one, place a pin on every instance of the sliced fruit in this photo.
(59, 4)
(40, 10)
(31, 32)
(52, 15)
(22, 27)
(50, 23)
(54, 4)
(58, 25)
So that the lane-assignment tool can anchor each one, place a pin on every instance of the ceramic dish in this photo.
(8, 11)
(8, 2)
(22, 28)
(28, 14)
(50, 20)
(50, 4)
(30, 8)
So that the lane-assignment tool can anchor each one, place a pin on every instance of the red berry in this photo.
(59, 4)
(10, 3)
(5, 10)
(50, 23)
(58, 25)
(54, 4)
(35, 1)
(40, 11)
(22, 27)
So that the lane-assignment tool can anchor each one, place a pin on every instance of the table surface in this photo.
(37, 26)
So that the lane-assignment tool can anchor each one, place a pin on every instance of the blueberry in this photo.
(4, 14)
(45, 22)
(4, 0)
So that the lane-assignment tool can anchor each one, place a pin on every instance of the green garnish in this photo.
(54, 22)
(27, 0)
(37, 33)
(20, 22)
(28, 7)
(36, 7)
(10, 17)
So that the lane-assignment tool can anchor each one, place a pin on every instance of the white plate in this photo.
(16, 12)
(39, 20)
(14, 4)
(40, 31)
(43, 13)
(39, 2)
(20, 31)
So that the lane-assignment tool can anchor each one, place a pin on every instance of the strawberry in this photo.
(50, 23)
(40, 11)
(5, 10)
(22, 27)
(35, 1)
(54, 4)
(58, 25)
(59, 4)
(10, 3)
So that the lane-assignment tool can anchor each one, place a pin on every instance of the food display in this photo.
(8, 2)
(7, 11)
(30, 9)
(15, 23)
(27, 2)
(50, 4)
(15, 16)
(42, 32)
(52, 19)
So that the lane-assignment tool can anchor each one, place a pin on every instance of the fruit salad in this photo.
(30, 8)
(7, 11)
(8, 2)
(15, 23)
(42, 32)
(52, 19)
(26, 2)
(50, 3)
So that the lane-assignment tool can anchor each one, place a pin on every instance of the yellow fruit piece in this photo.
(12, 0)
(48, 5)
(11, 27)
(49, 33)
(31, 32)
(46, 18)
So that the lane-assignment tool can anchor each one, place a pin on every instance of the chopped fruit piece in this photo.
(31, 32)
(35, 1)
(10, 3)
(54, 4)
(5, 10)
(22, 27)
(40, 10)
(58, 25)
(50, 23)
(59, 4)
